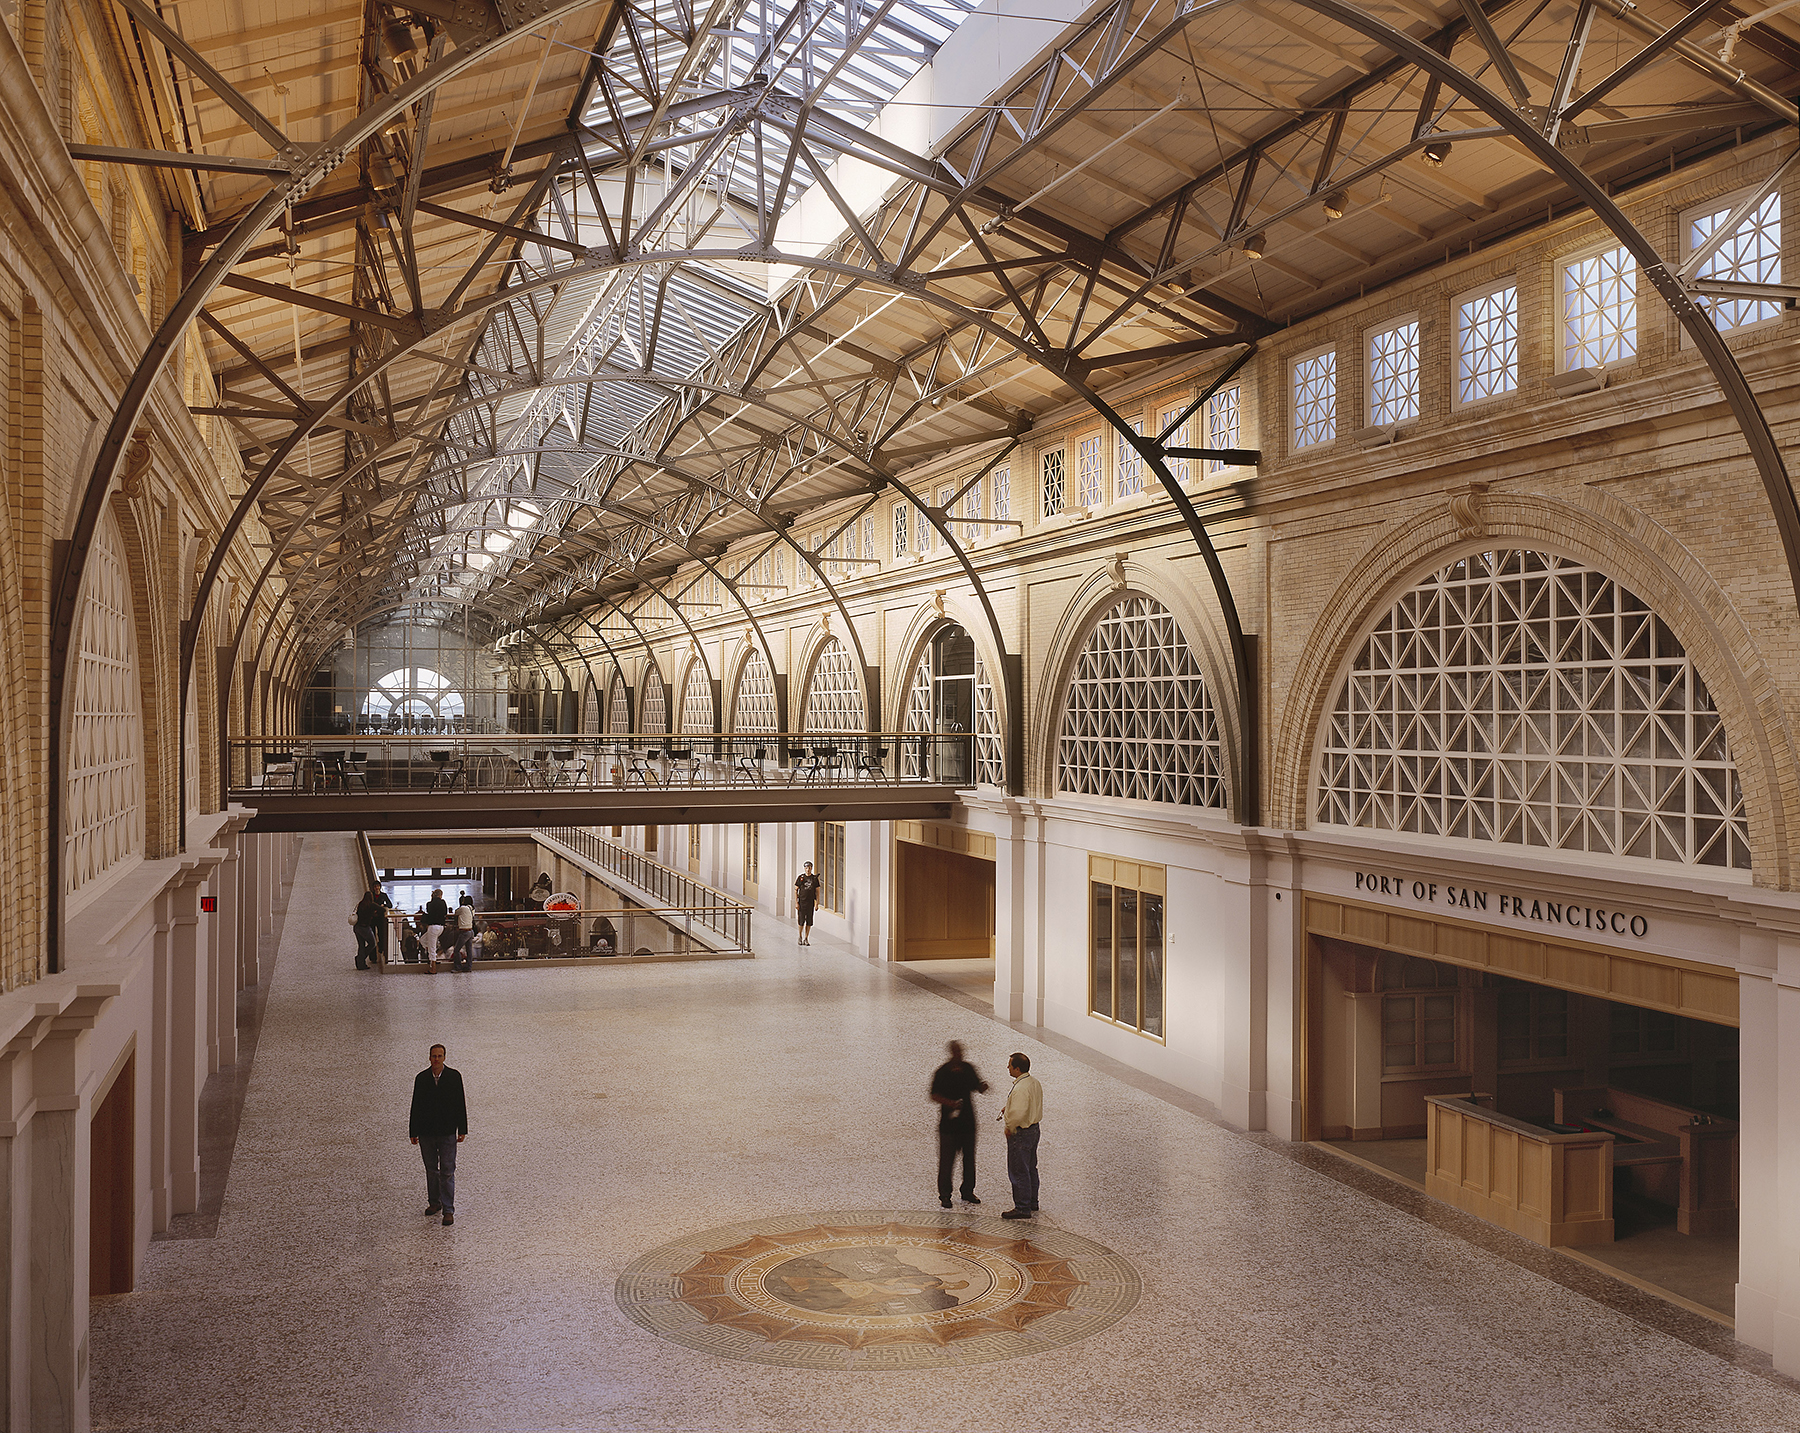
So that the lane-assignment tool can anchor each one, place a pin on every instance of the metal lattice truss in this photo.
(581, 383)
(1519, 697)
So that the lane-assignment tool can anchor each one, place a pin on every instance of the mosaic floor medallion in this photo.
(878, 1289)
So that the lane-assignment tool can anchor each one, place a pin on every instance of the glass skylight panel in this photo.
(1751, 255)
(1600, 309)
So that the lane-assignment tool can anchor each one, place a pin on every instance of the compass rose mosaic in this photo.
(878, 1289)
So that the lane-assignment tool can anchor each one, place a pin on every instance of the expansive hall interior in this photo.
(1237, 557)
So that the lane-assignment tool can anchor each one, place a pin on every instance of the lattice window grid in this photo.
(1394, 375)
(1527, 699)
(1315, 399)
(1138, 718)
(753, 707)
(1181, 469)
(1751, 255)
(654, 718)
(103, 817)
(1599, 310)
(834, 695)
(618, 707)
(1053, 482)
(1128, 472)
(1487, 345)
(696, 700)
(900, 543)
(1222, 424)
(1088, 475)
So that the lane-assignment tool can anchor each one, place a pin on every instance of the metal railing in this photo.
(562, 935)
(564, 762)
(724, 915)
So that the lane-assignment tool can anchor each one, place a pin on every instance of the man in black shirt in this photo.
(953, 1086)
(439, 1122)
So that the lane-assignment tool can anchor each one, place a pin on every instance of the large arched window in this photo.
(653, 713)
(618, 707)
(1525, 698)
(834, 695)
(696, 700)
(408, 693)
(103, 818)
(753, 708)
(950, 692)
(1138, 720)
(590, 709)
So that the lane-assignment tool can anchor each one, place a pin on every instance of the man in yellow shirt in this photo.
(1023, 1113)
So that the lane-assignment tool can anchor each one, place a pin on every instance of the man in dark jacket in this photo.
(370, 914)
(439, 1122)
(954, 1084)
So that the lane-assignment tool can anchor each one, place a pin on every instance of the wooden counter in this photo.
(1554, 1189)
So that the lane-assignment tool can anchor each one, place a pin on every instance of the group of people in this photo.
(954, 1085)
(439, 1122)
(421, 935)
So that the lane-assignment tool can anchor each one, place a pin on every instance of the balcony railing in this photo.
(723, 915)
(566, 762)
(564, 935)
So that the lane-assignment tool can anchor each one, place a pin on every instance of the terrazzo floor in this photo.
(614, 1109)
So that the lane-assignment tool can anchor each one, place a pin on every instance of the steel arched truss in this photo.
(693, 413)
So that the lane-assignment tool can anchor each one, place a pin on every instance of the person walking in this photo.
(367, 920)
(1023, 1113)
(381, 926)
(438, 1123)
(806, 895)
(437, 916)
(953, 1087)
(462, 946)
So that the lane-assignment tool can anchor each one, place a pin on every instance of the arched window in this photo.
(653, 714)
(103, 819)
(590, 709)
(753, 709)
(834, 695)
(411, 692)
(618, 707)
(1525, 698)
(1138, 720)
(950, 692)
(696, 700)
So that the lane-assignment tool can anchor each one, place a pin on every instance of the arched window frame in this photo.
(834, 691)
(1137, 718)
(1662, 794)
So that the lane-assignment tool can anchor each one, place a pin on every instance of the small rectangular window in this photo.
(1487, 344)
(1394, 374)
(1599, 310)
(943, 503)
(1179, 468)
(868, 537)
(1315, 398)
(752, 856)
(693, 848)
(972, 508)
(1001, 478)
(1751, 255)
(1222, 425)
(1125, 944)
(1053, 482)
(923, 536)
(1088, 476)
(1129, 481)
(900, 538)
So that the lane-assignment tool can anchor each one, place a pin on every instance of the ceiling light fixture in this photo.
(1437, 152)
(1335, 204)
(1254, 245)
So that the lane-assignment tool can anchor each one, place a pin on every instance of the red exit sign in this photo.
(209, 904)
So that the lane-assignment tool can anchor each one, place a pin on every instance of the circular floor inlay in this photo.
(878, 1289)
